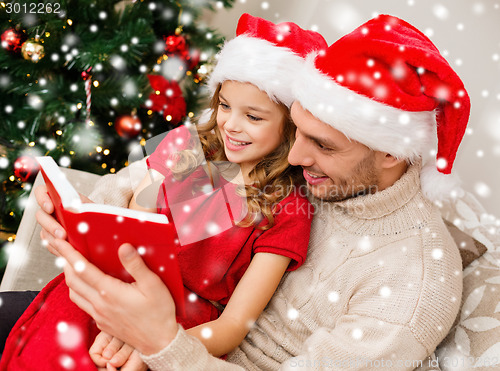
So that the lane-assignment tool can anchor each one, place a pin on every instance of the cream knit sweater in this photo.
(380, 289)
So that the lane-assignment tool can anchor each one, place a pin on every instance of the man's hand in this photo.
(51, 229)
(141, 314)
(110, 353)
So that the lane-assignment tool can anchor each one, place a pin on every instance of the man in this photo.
(382, 282)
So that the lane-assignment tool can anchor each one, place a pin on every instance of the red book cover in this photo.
(97, 230)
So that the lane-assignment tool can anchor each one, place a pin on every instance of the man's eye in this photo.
(323, 148)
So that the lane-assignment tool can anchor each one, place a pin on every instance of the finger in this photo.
(134, 363)
(43, 199)
(46, 237)
(82, 303)
(81, 291)
(101, 341)
(95, 351)
(114, 347)
(110, 367)
(132, 262)
(48, 242)
(50, 224)
(92, 288)
(82, 269)
(98, 360)
(121, 357)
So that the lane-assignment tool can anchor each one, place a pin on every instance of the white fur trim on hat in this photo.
(437, 186)
(249, 59)
(403, 134)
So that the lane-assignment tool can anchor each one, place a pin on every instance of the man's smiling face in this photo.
(335, 168)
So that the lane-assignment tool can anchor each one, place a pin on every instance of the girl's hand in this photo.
(96, 351)
(141, 314)
(134, 363)
(51, 229)
(110, 350)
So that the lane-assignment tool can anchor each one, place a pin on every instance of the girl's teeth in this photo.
(237, 143)
(313, 176)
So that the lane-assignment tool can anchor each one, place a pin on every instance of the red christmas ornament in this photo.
(11, 39)
(26, 168)
(86, 74)
(176, 45)
(167, 98)
(128, 126)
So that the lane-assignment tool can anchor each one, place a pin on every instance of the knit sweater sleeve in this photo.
(324, 349)
(117, 189)
(188, 353)
(359, 343)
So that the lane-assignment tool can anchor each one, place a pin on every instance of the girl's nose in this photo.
(232, 124)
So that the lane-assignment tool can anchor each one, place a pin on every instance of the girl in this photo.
(238, 269)
(250, 126)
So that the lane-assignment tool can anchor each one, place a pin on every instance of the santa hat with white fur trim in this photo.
(387, 86)
(266, 55)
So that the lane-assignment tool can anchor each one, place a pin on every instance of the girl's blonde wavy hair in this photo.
(273, 177)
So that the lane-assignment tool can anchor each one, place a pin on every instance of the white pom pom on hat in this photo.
(437, 186)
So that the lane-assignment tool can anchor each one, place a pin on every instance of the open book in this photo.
(97, 230)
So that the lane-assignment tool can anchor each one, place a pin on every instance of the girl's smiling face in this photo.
(250, 123)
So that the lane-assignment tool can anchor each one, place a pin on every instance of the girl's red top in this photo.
(214, 252)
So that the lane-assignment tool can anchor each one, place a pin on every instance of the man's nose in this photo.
(299, 154)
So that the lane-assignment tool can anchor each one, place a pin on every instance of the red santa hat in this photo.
(266, 55)
(387, 86)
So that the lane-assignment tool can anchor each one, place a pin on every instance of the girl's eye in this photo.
(254, 118)
(223, 105)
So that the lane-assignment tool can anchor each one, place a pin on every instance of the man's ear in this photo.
(388, 161)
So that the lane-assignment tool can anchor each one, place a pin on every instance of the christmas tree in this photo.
(85, 80)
